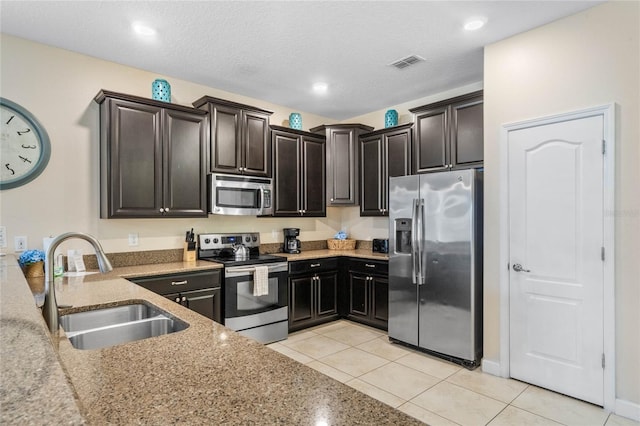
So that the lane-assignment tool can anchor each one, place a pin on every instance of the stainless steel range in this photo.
(255, 285)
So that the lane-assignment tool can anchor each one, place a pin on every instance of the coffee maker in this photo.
(291, 244)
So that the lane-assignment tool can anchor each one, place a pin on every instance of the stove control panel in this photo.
(220, 241)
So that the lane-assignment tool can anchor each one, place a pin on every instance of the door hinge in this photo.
(602, 360)
(602, 253)
(604, 147)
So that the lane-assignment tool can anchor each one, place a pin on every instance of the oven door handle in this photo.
(244, 271)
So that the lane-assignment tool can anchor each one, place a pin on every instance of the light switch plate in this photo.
(133, 240)
(20, 243)
(3, 236)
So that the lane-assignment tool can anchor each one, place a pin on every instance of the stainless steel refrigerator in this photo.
(435, 263)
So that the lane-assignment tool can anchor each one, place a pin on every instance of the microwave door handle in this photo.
(261, 200)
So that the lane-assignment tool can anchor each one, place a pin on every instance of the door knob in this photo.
(518, 268)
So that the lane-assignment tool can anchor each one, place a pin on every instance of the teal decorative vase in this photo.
(391, 118)
(161, 90)
(295, 121)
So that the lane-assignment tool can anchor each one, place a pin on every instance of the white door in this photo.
(556, 268)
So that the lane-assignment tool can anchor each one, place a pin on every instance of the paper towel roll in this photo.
(46, 242)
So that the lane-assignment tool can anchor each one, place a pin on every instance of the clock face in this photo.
(24, 145)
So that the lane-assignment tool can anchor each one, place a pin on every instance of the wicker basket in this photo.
(34, 270)
(341, 244)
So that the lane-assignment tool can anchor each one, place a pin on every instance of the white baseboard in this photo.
(491, 367)
(628, 409)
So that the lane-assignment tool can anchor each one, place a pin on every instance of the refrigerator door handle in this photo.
(415, 258)
(417, 235)
(420, 237)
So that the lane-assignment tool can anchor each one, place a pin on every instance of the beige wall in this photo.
(585, 60)
(58, 87)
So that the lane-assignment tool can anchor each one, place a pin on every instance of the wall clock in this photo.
(24, 145)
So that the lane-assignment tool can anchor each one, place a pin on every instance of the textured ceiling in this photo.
(275, 50)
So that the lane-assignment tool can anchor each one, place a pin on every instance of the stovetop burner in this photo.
(220, 248)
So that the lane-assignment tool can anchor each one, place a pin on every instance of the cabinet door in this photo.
(134, 160)
(342, 174)
(380, 301)
(371, 173)
(431, 144)
(301, 306)
(287, 172)
(359, 295)
(256, 144)
(205, 302)
(225, 149)
(397, 155)
(467, 137)
(313, 179)
(185, 138)
(327, 294)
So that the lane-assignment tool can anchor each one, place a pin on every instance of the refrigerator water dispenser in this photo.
(403, 235)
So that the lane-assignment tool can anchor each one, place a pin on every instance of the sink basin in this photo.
(104, 327)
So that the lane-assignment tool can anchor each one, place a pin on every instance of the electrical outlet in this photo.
(3, 236)
(133, 240)
(20, 243)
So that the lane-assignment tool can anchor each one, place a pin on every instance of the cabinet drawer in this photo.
(369, 266)
(314, 265)
(173, 283)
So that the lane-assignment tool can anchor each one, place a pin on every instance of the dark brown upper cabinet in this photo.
(298, 173)
(449, 134)
(152, 158)
(383, 154)
(240, 142)
(342, 162)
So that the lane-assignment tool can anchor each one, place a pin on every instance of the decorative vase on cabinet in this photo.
(391, 118)
(161, 90)
(295, 121)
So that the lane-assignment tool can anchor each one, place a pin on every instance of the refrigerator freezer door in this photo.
(446, 299)
(403, 293)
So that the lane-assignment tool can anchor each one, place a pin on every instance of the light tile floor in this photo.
(434, 391)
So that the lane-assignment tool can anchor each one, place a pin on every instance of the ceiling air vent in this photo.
(406, 61)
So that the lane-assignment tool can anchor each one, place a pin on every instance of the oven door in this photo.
(242, 308)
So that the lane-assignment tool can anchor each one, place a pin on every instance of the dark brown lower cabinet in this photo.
(369, 293)
(199, 291)
(313, 287)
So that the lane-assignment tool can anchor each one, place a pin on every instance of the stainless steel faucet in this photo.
(50, 307)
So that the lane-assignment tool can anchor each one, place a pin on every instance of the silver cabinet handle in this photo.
(368, 265)
(161, 210)
(314, 265)
(518, 268)
(179, 282)
(166, 209)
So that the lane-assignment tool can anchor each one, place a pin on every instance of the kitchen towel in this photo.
(261, 281)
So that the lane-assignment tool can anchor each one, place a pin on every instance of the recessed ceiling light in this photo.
(474, 24)
(143, 30)
(320, 88)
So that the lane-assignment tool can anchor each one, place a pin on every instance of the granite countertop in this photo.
(316, 254)
(206, 374)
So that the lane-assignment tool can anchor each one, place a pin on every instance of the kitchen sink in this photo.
(103, 327)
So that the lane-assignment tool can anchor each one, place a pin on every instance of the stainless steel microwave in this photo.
(239, 195)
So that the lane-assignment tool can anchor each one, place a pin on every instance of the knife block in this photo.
(189, 252)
